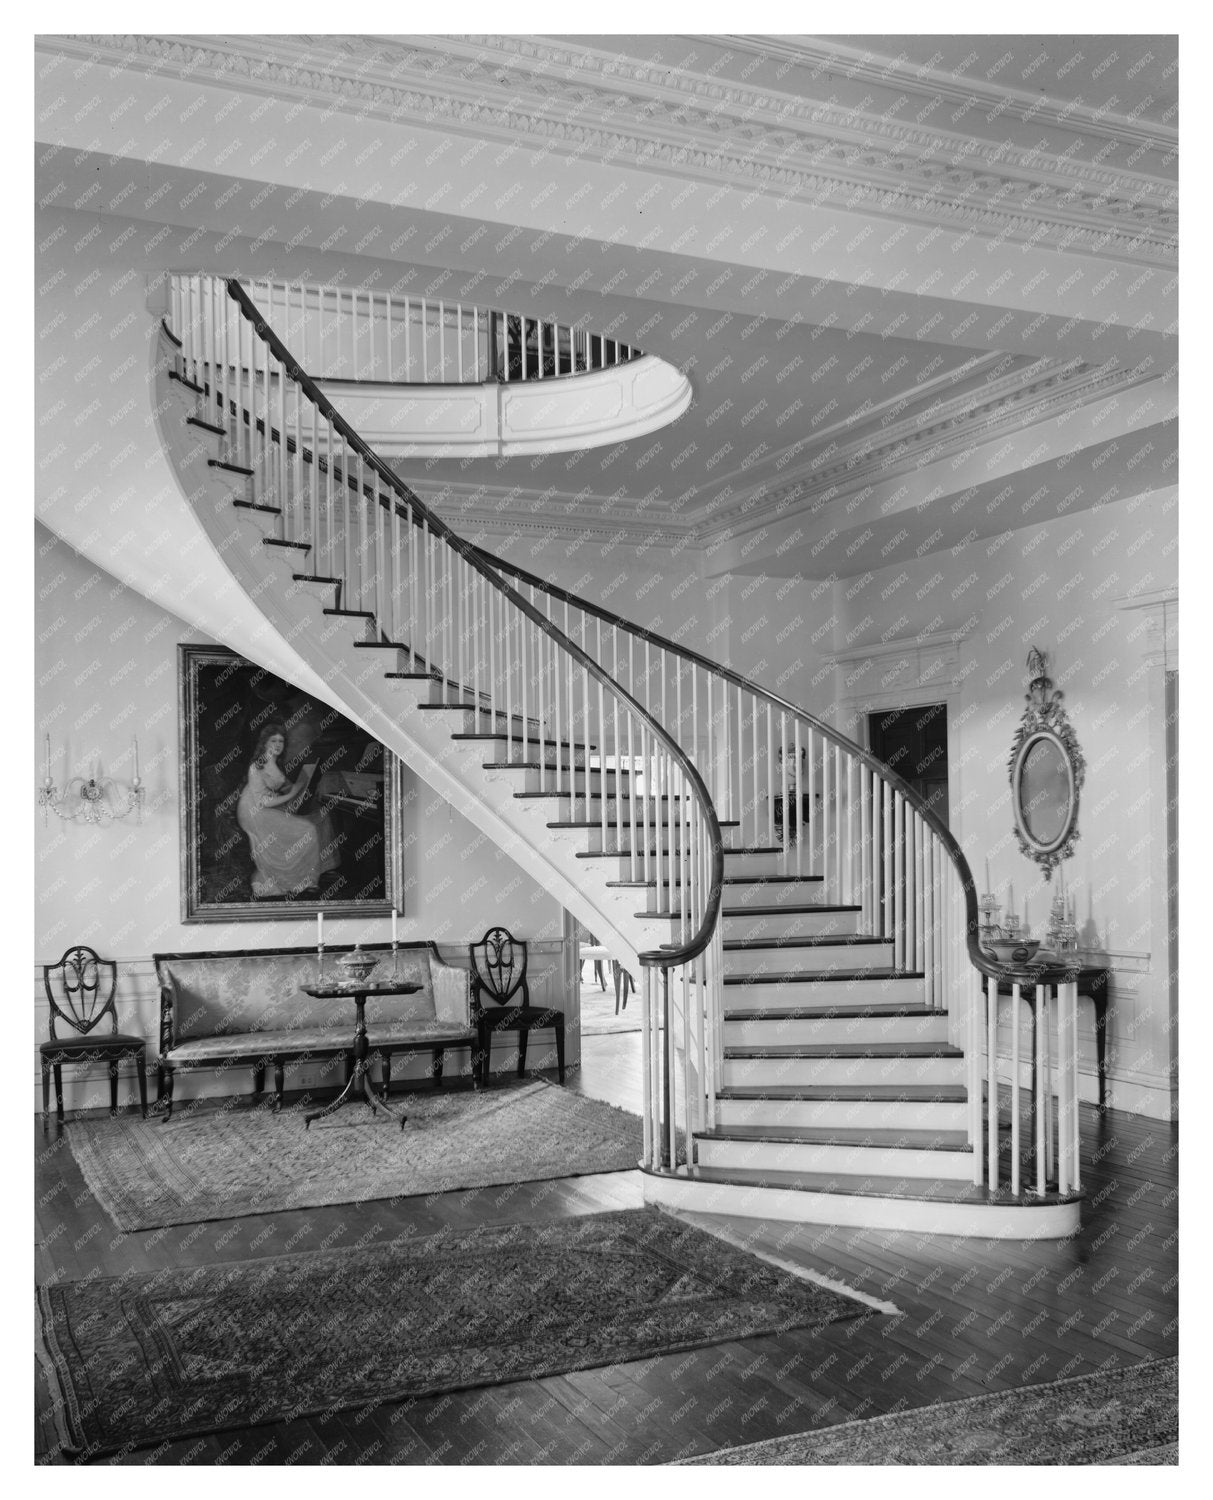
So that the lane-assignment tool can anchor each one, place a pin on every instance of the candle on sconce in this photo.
(135, 747)
(393, 926)
(48, 760)
(1010, 897)
(320, 929)
(989, 887)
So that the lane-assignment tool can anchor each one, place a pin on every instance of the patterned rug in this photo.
(154, 1356)
(1125, 1416)
(213, 1165)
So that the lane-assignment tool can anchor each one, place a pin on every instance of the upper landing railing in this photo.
(359, 334)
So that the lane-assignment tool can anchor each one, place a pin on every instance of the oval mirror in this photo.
(1044, 791)
(1047, 771)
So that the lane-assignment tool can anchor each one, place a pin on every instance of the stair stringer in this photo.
(386, 708)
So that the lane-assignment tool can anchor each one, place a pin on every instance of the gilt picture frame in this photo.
(287, 808)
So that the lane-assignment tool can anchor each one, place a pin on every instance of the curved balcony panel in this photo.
(498, 420)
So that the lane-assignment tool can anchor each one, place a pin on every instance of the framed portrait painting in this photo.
(287, 808)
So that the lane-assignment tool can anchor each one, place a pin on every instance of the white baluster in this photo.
(425, 353)
(1042, 1086)
(1015, 999)
(992, 1081)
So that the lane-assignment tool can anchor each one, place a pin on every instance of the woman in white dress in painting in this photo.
(286, 848)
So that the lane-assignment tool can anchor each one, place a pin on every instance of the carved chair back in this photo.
(80, 990)
(499, 967)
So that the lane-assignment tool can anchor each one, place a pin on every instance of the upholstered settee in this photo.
(250, 1009)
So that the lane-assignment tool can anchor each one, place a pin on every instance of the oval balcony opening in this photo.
(422, 377)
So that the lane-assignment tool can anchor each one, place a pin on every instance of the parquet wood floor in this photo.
(975, 1315)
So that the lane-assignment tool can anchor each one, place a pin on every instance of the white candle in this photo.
(320, 929)
(135, 743)
(989, 887)
(393, 926)
(48, 760)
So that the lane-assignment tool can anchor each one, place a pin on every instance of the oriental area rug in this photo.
(154, 1356)
(1124, 1416)
(226, 1163)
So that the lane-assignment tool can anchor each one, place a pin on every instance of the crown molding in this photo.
(1018, 104)
(683, 125)
(1019, 401)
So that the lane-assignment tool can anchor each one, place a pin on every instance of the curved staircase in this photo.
(816, 1014)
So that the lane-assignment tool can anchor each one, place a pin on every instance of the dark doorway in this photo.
(914, 743)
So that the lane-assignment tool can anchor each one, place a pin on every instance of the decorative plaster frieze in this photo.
(914, 663)
(780, 143)
(1014, 104)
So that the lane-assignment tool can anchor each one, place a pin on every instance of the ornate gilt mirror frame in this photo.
(1046, 727)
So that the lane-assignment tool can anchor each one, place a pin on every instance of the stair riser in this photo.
(753, 1072)
(668, 836)
(752, 864)
(790, 924)
(788, 1156)
(856, 1031)
(535, 781)
(482, 721)
(513, 753)
(798, 893)
(843, 1114)
(821, 994)
(756, 962)
(618, 809)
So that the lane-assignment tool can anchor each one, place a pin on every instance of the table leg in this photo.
(360, 1078)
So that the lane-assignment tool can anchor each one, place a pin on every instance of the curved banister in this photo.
(980, 959)
(675, 955)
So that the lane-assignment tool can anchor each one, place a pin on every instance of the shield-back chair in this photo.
(501, 998)
(80, 990)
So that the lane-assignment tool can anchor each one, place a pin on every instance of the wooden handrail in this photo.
(980, 959)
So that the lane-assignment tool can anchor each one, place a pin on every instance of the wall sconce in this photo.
(92, 799)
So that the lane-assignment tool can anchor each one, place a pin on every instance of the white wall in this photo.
(1063, 588)
(106, 668)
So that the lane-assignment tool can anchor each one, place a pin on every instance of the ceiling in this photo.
(897, 270)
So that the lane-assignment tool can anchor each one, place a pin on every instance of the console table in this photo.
(1092, 983)
(360, 1078)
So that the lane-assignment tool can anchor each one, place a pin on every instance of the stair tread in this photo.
(879, 1009)
(306, 577)
(583, 823)
(834, 1135)
(840, 1050)
(798, 910)
(791, 909)
(598, 796)
(824, 976)
(510, 739)
(875, 1093)
(824, 940)
(868, 1185)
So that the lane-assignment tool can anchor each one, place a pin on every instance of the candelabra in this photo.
(91, 799)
